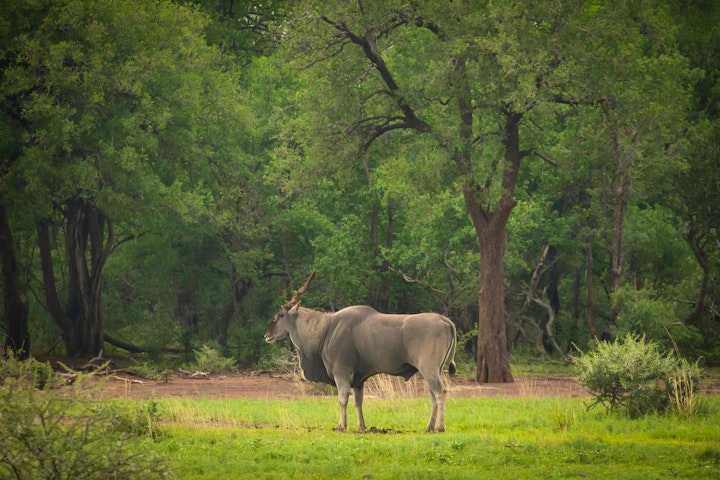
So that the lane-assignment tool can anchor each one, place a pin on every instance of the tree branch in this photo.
(136, 349)
(372, 53)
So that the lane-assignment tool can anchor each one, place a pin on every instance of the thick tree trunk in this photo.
(493, 364)
(17, 337)
(80, 320)
(52, 301)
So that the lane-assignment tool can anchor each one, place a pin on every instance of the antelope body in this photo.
(347, 347)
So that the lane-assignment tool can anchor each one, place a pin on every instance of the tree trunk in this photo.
(186, 313)
(550, 334)
(589, 314)
(383, 298)
(80, 320)
(17, 337)
(575, 299)
(52, 301)
(694, 240)
(493, 363)
(239, 288)
(523, 316)
(554, 281)
(380, 296)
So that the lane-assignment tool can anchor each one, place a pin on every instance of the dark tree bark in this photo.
(554, 281)
(17, 337)
(138, 349)
(493, 364)
(589, 313)
(575, 299)
(186, 313)
(89, 240)
(239, 287)
(697, 240)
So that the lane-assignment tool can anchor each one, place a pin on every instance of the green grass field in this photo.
(486, 438)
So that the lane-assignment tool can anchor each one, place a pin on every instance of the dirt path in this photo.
(282, 387)
(285, 387)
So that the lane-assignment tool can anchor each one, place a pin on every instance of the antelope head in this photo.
(278, 326)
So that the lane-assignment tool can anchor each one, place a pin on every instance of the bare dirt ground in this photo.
(277, 386)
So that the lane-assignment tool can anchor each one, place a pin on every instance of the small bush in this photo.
(634, 377)
(210, 360)
(149, 371)
(59, 431)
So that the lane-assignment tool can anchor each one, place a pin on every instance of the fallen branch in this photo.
(95, 364)
(128, 380)
(196, 374)
(138, 349)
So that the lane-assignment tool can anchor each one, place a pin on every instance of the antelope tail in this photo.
(452, 367)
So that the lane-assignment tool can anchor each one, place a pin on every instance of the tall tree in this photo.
(15, 303)
(469, 76)
(113, 118)
(635, 106)
(697, 191)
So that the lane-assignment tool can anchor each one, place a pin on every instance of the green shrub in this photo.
(635, 377)
(59, 431)
(149, 371)
(210, 360)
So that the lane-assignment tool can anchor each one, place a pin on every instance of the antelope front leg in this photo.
(343, 396)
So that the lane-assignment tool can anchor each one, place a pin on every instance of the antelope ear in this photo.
(294, 309)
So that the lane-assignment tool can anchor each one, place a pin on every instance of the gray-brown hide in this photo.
(348, 347)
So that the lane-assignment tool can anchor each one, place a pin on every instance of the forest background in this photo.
(542, 174)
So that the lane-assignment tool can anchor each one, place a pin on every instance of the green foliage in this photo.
(42, 374)
(229, 168)
(132, 420)
(647, 313)
(60, 432)
(149, 370)
(633, 376)
(210, 360)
